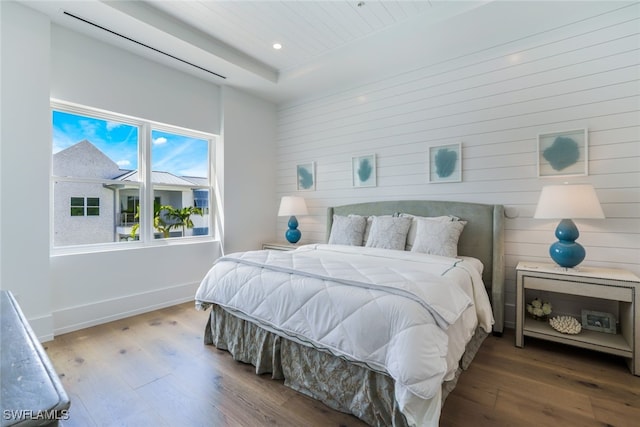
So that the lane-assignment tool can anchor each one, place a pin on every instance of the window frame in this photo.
(144, 185)
(84, 206)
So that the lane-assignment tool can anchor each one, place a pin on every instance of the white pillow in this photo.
(388, 232)
(411, 236)
(347, 230)
(438, 237)
(367, 228)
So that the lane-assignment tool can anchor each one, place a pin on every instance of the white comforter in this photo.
(389, 310)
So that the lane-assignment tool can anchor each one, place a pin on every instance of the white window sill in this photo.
(137, 245)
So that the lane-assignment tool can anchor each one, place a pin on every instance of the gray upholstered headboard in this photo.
(482, 238)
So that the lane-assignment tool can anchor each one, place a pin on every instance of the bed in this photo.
(375, 331)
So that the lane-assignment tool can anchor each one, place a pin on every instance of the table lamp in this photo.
(566, 202)
(291, 206)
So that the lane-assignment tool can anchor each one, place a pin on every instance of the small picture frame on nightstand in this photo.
(599, 321)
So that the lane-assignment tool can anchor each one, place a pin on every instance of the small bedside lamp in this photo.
(565, 202)
(291, 206)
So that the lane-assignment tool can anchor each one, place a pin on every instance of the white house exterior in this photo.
(117, 199)
(83, 160)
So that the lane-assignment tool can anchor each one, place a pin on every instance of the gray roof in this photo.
(86, 160)
(197, 180)
(161, 178)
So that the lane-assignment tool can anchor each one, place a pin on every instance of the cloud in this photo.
(160, 141)
(62, 140)
(122, 163)
(59, 144)
(196, 171)
(112, 125)
(88, 128)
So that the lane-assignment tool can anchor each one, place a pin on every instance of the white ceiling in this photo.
(326, 44)
(307, 29)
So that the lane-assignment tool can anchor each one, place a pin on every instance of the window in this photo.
(77, 206)
(201, 200)
(93, 206)
(85, 206)
(118, 179)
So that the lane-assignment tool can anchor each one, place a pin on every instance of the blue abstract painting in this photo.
(364, 171)
(445, 163)
(562, 153)
(306, 176)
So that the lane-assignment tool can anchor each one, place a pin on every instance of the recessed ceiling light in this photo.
(277, 46)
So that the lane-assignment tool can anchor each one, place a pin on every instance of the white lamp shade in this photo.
(291, 205)
(568, 201)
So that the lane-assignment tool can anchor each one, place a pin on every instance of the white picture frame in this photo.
(563, 153)
(444, 163)
(363, 171)
(306, 176)
(599, 321)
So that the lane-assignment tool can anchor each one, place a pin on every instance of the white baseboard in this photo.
(42, 326)
(84, 316)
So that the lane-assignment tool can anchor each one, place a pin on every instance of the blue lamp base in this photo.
(566, 252)
(292, 234)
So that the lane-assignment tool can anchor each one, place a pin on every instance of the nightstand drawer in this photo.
(615, 293)
(279, 246)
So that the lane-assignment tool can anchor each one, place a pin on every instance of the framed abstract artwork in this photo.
(445, 163)
(363, 171)
(563, 153)
(306, 176)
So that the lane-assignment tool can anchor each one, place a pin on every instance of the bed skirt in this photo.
(336, 382)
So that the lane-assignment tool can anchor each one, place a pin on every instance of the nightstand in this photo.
(589, 286)
(279, 246)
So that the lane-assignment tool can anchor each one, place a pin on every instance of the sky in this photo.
(177, 154)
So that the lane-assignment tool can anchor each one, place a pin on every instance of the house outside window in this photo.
(118, 179)
(85, 206)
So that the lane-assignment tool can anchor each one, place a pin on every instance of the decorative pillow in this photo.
(388, 232)
(411, 236)
(347, 230)
(367, 229)
(438, 237)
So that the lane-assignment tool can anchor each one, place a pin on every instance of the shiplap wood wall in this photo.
(582, 74)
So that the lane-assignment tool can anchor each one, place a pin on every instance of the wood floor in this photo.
(154, 370)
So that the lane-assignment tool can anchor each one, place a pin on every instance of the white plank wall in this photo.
(494, 100)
